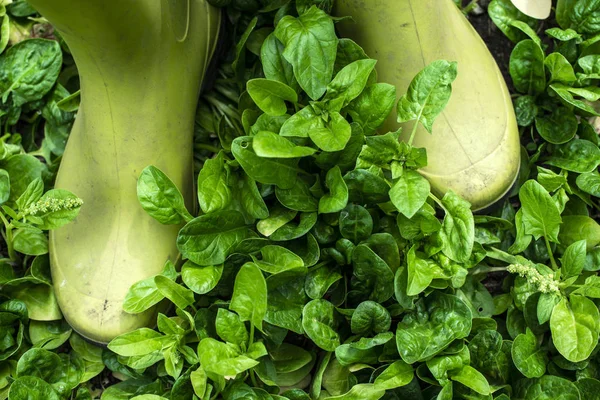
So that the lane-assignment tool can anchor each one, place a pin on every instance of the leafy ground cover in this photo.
(320, 265)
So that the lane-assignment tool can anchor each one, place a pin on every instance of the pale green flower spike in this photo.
(544, 283)
(53, 205)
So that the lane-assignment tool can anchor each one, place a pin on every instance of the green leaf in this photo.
(472, 379)
(29, 69)
(214, 193)
(298, 198)
(310, 46)
(356, 224)
(271, 145)
(370, 316)
(334, 136)
(337, 199)
(428, 94)
(201, 279)
(270, 95)
(230, 328)
(160, 198)
(589, 182)
(529, 359)
(277, 259)
(573, 259)
(372, 274)
(199, 382)
(179, 295)
(31, 388)
(363, 351)
(371, 108)
(575, 325)
(440, 319)
(581, 15)
(558, 127)
(275, 66)
(420, 273)
(560, 69)
(223, 358)
(362, 391)
(504, 13)
(144, 294)
(4, 186)
(349, 83)
(458, 228)
(318, 321)
(270, 171)
(409, 193)
(527, 68)
(30, 241)
(540, 213)
(137, 343)
(552, 387)
(209, 239)
(396, 375)
(249, 297)
(577, 156)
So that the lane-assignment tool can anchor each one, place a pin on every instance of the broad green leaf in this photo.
(230, 328)
(527, 67)
(458, 228)
(356, 224)
(420, 273)
(349, 83)
(270, 171)
(504, 13)
(160, 198)
(334, 136)
(32, 388)
(214, 193)
(137, 343)
(575, 326)
(573, 259)
(472, 379)
(271, 95)
(373, 106)
(179, 295)
(409, 193)
(552, 387)
(271, 145)
(529, 359)
(275, 66)
(337, 198)
(558, 127)
(446, 318)
(209, 239)
(370, 316)
(581, 15)
(277, 259)
(396, 375)
(541, 216)
(318, 321)
(222, 358)
(428, 94)
(201, 279)
(310, 46)
(298, 198)
(560, 68)
(249, 297)
(29, 69)
(590, 183)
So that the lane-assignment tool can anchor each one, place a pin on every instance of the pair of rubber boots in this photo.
(141, 65)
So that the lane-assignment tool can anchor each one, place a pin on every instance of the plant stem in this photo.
(413, 133)
(552, 260)
(207, 147)
(9, 238)
(438, 201)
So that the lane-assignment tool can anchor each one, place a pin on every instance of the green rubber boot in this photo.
(474, 149)
(141, 64)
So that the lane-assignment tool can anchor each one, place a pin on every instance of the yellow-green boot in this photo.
(474, 148)
(141, 65)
